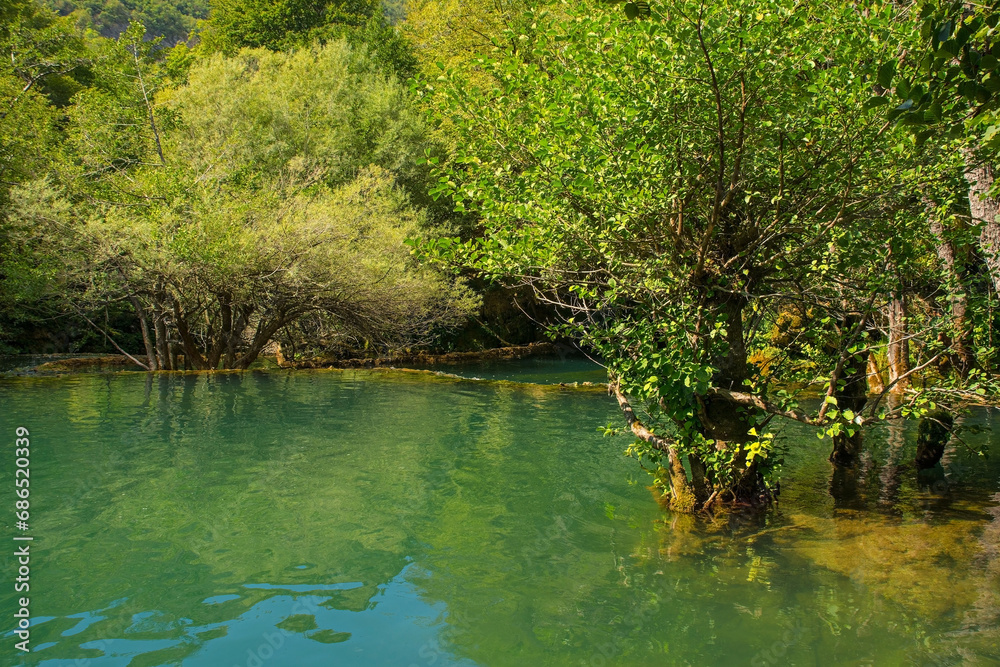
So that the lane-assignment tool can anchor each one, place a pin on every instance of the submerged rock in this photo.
(921, 566)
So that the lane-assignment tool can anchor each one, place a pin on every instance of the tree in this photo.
(237, 24)
(451, 32)
(43, 60)
(942, 84)
(169, 20)
(269, 187)
(671, 185)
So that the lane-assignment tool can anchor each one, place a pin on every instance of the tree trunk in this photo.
(147, 343)
(984, 209)
(933, 434)
(160, 327)
(721, 419)
(899, 344)
(682, 496)
(162, 347)
(851, 394)
(727, 422)
(221, 341)
(700, 483)
(876, 385)
(961, 356)
(265, 331)
(192, 355)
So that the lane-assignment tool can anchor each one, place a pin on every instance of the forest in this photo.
(750, 211)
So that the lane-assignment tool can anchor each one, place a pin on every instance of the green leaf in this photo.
(885, 74)
(876, 102)
(945, 31)
(967, 89)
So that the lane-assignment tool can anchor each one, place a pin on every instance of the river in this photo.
(318, 518)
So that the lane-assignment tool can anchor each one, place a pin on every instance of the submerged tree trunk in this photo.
(850, 390)
(933, 434)
(898, 351)
(851, 395)
(682, 496)
(723, 420)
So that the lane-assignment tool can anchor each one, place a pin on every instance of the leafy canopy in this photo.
(670, 183)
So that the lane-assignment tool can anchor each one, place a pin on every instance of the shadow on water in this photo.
(357, 518)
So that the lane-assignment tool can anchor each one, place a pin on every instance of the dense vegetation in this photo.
(172, 21)
(191, 206)
(729, 200)
(723, 201)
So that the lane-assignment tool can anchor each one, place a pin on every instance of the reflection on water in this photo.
(370, 518)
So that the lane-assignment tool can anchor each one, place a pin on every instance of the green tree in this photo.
(170, 20)
(451, 32)
(41, 68)
(269, 187)
(942, 83)
(671, 185)
(237, 24)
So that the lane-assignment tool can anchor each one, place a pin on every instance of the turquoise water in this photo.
(379, 518)
(537, 370)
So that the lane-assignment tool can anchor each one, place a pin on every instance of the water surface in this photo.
(375, 518)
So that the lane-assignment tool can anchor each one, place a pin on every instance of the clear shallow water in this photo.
(537, 370)
(372, 518)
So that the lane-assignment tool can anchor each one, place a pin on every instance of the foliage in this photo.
(42, 65)
(453, 32)
(252, 196)
(671, 184)
(170, 20)
(947, 80)
(237, 24)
